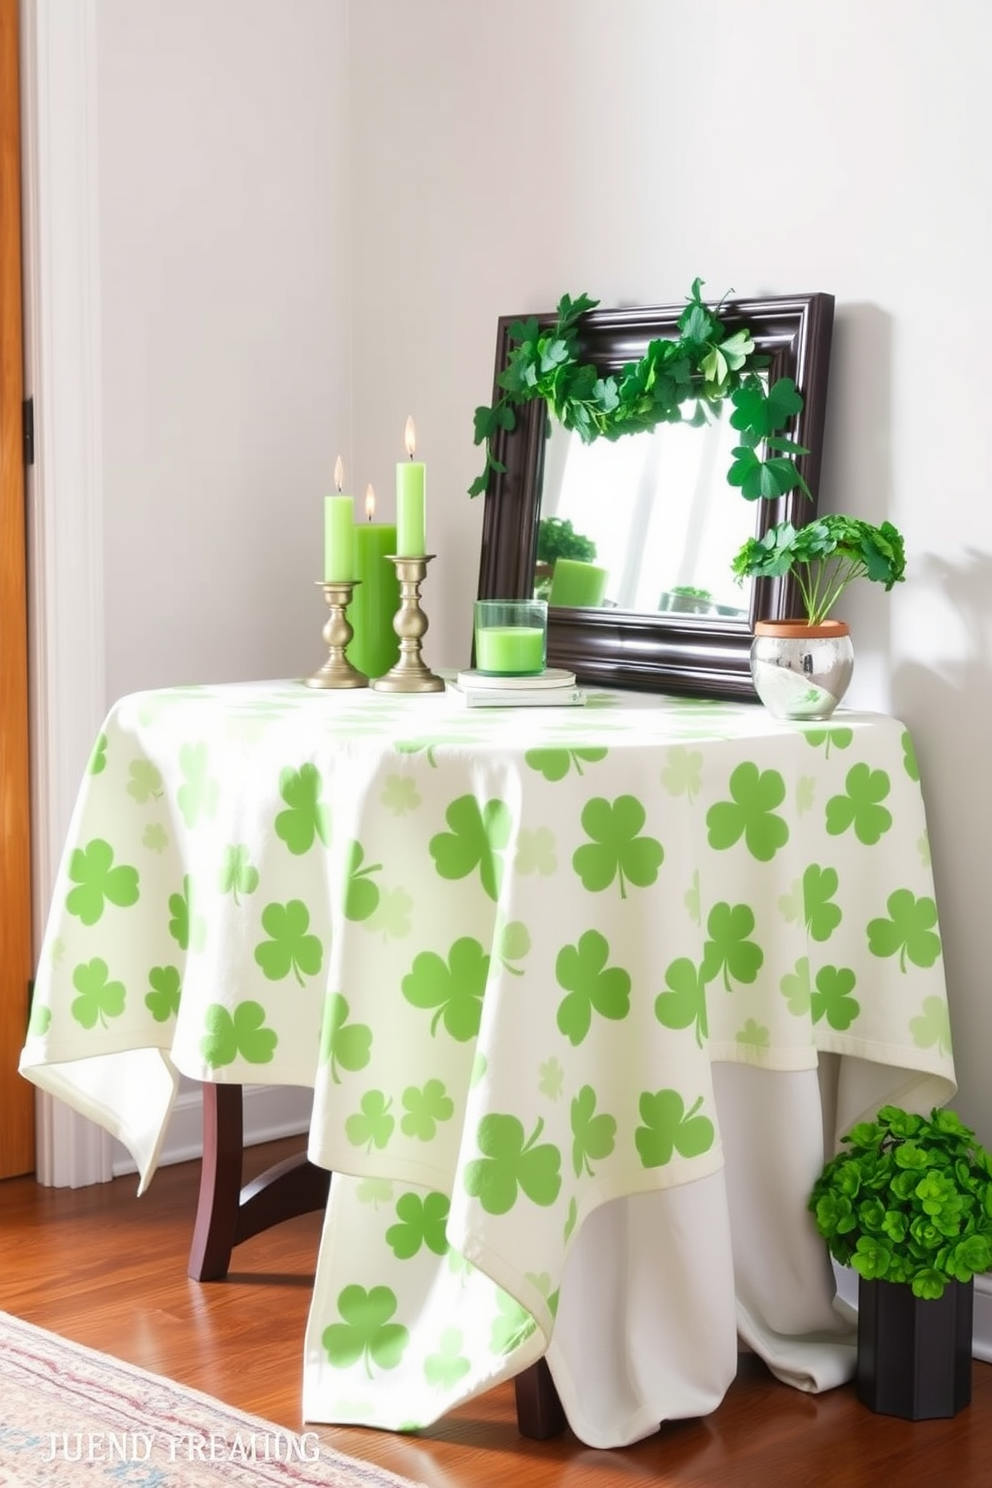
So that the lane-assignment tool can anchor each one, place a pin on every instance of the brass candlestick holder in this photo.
(337, 670)
(410, 624)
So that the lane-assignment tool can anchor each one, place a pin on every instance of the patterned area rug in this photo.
(69, 1415)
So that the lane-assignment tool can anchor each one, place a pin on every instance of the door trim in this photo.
(63, 373)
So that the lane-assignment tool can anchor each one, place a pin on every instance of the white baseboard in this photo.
(981, 1347)
(270, 1113)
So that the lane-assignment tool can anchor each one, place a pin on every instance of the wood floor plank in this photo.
(108, 1269)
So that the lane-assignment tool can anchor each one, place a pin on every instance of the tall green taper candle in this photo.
(339, 529)
(411, 501)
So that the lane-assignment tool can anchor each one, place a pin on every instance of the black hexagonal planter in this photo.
(914, 1353)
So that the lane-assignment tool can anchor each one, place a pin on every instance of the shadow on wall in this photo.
(957, 702)
(856, 474)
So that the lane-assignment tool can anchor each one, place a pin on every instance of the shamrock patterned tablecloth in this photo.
(583, 994)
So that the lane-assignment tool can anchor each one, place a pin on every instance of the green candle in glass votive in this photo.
(511, 637)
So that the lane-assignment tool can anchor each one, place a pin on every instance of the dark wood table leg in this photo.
(227, 1213)
(539, 1410)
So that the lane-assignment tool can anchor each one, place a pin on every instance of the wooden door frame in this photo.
(63, 373)
(16, 959)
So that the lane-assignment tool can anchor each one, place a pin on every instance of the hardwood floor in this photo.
(109, 1270)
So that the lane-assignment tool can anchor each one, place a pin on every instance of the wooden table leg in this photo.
(539, 1410)
(226, 1213)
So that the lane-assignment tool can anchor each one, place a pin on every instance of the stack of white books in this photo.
(553, 688)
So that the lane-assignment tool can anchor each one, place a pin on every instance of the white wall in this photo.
(502, 155)
(225, 276)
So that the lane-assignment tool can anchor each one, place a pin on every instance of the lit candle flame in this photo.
(410, 437)
(369, 503)
(338, 473)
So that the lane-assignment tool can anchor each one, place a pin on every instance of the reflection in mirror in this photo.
(658, 515)
(656, 511)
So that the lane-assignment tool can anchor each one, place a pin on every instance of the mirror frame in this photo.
(705, 656)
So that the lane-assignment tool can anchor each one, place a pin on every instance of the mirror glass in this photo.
(631, 540)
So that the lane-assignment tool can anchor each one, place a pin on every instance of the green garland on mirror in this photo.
(705, 366)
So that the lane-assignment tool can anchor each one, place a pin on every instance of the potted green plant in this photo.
(907, 1204)
(802, 667)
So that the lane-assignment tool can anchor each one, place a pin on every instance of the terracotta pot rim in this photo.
(799, 630)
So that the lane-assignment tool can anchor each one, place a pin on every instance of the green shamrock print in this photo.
(91, 869)
(374, 1191)
(681, 776)
(362, 896)
(860, 808)
(163, 1000)
(617, 849)
(693, 900)
(422, 1222)
(684, 1003)
(289, 947)
(810, 902)
(306, 818)
(400, 795)
(243, 1033)
(909, 760)
(198, 797)
(99, 998)
(840, 738)
(342, 1043)
(40, 1020)
(592, 986)
(805, 793)
(555, 764)
(155, 838)
(477, 838)
(393, 914)
(933, 1026)
(448, 1365)
(754, 1035)
(750, 813)
(729, 950)
(187, 929)
(237, 876)
(909, 930)
(512, 1161)
(144, 781)
(593, 1135)
(455, 987)
(551, 1079)
(536, 852)
(366, 1332)
(511, 943)
(426, 1107)
(373, 1125)
(512, 1325)
(830, 998)
(668, 1128)
(98, 756)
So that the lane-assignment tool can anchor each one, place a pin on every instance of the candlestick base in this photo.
(410, 623)
(337, 670)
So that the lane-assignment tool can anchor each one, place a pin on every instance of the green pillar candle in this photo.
(411, 501)
(375, 647)
(510, 650)
(575, 583)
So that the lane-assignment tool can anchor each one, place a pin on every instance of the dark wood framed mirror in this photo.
(703, 649)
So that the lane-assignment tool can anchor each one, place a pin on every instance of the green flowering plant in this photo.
(824, 557)
(909, 1200)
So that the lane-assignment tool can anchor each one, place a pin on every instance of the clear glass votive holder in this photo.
(511, 637)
